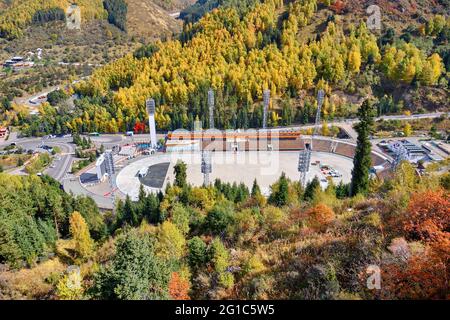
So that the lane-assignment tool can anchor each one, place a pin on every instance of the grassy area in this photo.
(33, 283)
(389, 128)
(436, 166)
(13, 160)
(80, 164)
(39, 163)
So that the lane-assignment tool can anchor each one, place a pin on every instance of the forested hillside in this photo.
(227, 241)
(20, 14)
(239, 51)
(109, 30)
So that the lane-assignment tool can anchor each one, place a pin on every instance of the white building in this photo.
(100, 167)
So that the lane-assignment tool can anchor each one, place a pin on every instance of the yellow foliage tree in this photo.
(83, 243)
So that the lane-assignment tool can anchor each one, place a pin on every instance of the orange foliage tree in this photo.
(320, 216)
(338, 6)
(424, 275)
(178, 287)
(428, 216)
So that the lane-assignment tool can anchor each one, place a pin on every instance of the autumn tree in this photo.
(84, 245)
(70, 287)
(320, 216)
(171, 242)
(354, 59)
(427, 216)
(178, 287)
(221, 262)
(407, 129)
(422, 277)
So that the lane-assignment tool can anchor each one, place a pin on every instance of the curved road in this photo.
(62, 163)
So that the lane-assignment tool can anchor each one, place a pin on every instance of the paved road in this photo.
(66, 158)
(347, 124)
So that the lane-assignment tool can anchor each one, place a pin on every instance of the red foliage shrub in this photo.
(338, 6)
(178, 287)
(427, 216)
(139, 127)
(320, 216)
(423, 276)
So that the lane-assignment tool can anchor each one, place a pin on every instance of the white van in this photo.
(143, 172)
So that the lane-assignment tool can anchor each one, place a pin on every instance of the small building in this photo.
(18, 63)
(413, 152)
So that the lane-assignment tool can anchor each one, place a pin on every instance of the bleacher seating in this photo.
(346, 150)
(321, 145)
(291, 144)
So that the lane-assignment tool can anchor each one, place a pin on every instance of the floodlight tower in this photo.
(206, 167)
(320, 99)
(211, 108)
(304, 159)
(151, 109)
(111, 171)
(266, 99)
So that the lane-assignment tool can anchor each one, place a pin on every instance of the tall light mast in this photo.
(111, 171)
(320, 99)
(304, 159)
(151, 109)
(206, 167)
(266, 100)
(211, 108)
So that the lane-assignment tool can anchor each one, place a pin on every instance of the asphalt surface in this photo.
(156, 175)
